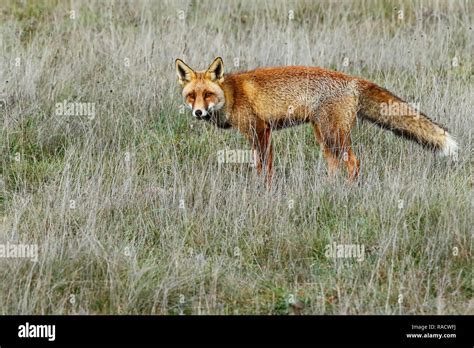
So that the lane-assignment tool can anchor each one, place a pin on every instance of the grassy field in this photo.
(133, 214)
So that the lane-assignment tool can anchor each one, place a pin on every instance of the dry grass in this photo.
(128, 247)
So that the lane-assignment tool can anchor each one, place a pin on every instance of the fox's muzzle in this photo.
(201, 114)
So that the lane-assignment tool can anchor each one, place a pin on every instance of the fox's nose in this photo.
(198, 113)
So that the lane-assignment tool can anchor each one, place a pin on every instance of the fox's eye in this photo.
(191, 96)
(208, 95)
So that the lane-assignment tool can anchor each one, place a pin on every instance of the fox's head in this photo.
(202, 90)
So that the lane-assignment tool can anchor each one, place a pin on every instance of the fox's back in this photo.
(275, 92)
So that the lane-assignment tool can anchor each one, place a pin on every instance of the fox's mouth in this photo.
(205, 117)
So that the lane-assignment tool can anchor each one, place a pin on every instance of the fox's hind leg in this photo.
(334, 126)
(351, 161)
(331, 158)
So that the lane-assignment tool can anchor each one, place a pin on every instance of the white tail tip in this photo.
(450, 148)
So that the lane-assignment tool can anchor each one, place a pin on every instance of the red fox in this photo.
(259, 101)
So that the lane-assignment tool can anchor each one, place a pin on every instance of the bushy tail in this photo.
(390, 112)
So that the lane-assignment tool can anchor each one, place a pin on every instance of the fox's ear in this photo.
(184, 72)
(216, 70)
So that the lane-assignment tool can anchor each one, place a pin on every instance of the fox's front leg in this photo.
(263, 153)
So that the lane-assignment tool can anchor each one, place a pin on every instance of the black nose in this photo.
(198, 113)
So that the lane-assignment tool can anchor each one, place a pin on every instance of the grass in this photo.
(131, 211)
